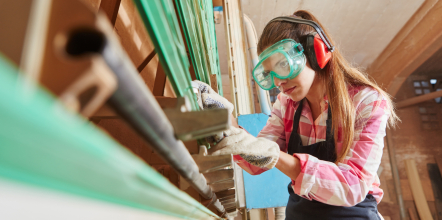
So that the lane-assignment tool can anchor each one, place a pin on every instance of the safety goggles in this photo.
(283, 60)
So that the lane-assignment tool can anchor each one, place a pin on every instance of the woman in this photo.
(329, 117)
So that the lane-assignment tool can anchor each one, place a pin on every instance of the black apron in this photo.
(299, 208)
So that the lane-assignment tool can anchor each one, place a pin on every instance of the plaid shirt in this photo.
(347, 183)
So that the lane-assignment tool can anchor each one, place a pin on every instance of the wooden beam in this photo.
(160, 81)
(110, 8)
(418, 192)
(418, 99)
(417, 41)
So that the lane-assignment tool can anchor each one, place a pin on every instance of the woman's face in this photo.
(298, 87)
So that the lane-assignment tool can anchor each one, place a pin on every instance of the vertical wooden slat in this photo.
(418, 192)
(160, 81)
(237, 58)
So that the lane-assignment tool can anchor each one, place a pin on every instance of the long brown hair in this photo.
(337, 75)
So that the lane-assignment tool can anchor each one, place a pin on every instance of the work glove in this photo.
(259, 152)
(209, 99)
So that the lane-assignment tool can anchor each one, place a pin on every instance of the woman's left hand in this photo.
(259, 152)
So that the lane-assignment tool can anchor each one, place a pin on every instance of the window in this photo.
(429, 117)
(421, 87)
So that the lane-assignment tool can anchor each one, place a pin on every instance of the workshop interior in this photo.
(103, 114)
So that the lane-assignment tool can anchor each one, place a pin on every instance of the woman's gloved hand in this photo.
(209, 99)
(259, 152)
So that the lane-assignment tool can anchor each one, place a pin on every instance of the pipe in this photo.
(65, 155)
(395, 173)
(263, 96)
(136, 104)
(419, 99)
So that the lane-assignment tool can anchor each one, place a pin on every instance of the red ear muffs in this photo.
(317, 52)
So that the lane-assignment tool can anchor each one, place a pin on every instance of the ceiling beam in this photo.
(418, 99)
(417, 41)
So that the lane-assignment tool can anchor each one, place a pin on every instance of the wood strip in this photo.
(418, 192)
(146, 61)
(436, 183)
(160, 81)
(110, 8)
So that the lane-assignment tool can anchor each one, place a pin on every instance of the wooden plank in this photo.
(160, 81)
(136, 41)
(417, 190)
(110, 8)
(436, 183)
(214, 82)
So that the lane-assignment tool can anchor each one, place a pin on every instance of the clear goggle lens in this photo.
(282, 60)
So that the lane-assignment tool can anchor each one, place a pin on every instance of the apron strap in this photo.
(329, 134)
(294, 137)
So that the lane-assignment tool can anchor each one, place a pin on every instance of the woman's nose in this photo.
(279, 82)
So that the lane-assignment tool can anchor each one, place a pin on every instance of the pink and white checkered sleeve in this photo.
(274, 130)
(348, 183)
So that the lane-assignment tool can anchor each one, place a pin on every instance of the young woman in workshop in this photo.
(326, 129)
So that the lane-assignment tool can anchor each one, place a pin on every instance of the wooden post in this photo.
(418, 192)
(395, 173)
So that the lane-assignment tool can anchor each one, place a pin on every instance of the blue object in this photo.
(218, 8)
(268, 189)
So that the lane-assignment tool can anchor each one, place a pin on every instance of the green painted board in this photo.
(162, 25)
(43, 144)
(199, 30)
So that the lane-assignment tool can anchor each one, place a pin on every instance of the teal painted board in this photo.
(268, 189)
(45, 145)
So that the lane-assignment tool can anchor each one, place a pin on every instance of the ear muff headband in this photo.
(318, 47)
(313, 24)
